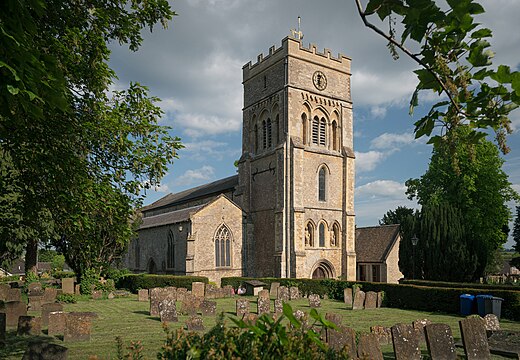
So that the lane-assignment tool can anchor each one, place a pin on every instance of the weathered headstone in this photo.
(228, 291)
(314, 301)
(368, 347)
(29, 325)
(67, 285)
(263, 294)
(383, 333)
(283, 293)
(78, 326)
(491, 322)
(210, 291)
(197, 289)
(181, 293)
(335, 318)
(57, 321)
(97, 294)
(359, 300)
(47, 309)
(418, 326)
(143, 295)
(273, 292)
(3, 325)
(303, 318)
(34, 288)
(278, 307)
(13, 310)
(347, 296)
(439, 340)
(77, 289)
(14, 294)
(195, 323)
(242, 307)
(168, 311)
(191, 304)
(370, 300)
(250, 318)
(35, 302)
(474, 338)
(159, 294)
(263, 305)
(208, 308)
(343, 337)
(380, 298)
(294, 293)
(406, 343)
(45, 351)
(49, 295)
(111, 295)
(4, 290)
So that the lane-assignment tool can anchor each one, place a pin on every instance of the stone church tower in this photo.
(296, 172)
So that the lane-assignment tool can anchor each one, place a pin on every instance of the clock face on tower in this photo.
(319, 80)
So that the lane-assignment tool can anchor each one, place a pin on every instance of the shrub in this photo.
(445, 284)
(89, 281)
(66, 298)
(114, 273)
(134, 282)
(107, 286)
(63, 274)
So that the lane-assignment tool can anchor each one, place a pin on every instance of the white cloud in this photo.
(197, 124)
(197, 176)
(369, 160)
(204, 149)
(392, 141)
(382, 188)
(370, 88)
(378, 111)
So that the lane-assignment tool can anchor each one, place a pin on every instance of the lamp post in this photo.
(414, 243)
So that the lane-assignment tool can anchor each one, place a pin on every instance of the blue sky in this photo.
(195, 67)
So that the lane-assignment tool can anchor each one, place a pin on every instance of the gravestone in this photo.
(263, 305)
(191, 304)
(4, 289)
(242, 307)
(474, 338)
(491, 322)
(197, 289)
(314, 301)
(57, 320)
(359, 300)
(335, 318)
(35, 302)
(111, 295)
(13, 310)
(14, 295)
(78, 326)
(49, 295)
(370, 300)
(208, 308)
(439, 341)
(347, 296)
(418, 326)
(142, 295)
(406, 343)
(278, 307)
(294, 293)
(181, 293)
(380, 298)
(273, 292)
(77, 289)
(368, 347)
(168, 311)
(97, 294)
(3, 325)
(45, 351)
(303, 318)
(263, 294)
(283, 293)
(211, 291)
(29, 325)
(195, 323)
(383, 333)
(34, 289)
(67, 285)
(228, 291)
(250, 318)
(47, 309)
(159, 294)
(343, 337)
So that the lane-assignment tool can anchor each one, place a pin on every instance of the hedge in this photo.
(402, 296)
(488, 287)
(134, 282)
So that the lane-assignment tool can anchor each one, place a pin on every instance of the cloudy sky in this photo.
(195, 67)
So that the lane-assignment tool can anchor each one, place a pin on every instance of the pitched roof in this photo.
(216, 187)
(171, 217)
(374, 243)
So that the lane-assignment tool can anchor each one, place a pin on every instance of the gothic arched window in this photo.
(321, 231)
(334, 236)
(322, 184)
(304, 128)
(323, 128)
(269, 133)
(309, 234)
(222, 247)
(264, 134)
(316, 130)
(170, 257)
(335, 143)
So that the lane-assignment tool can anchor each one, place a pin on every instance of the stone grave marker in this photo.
(406, 343)
(191, 304)
(195, 323)
(3, 325)
(439, 341)
(29, 325)
(418, 326)
(491, 322)
(97, 294)
(380, 298)
(49, 295)
(383, 333)
(67, 285)
(474, 338)
(278, 306)
(14, 294)
(242, 307)
(263, 304)
(78, 326)
(57, 320)
(283, 293)
(197, 289)
(13, 310)
(370, 300)
(181, 293)
(294, 293)
(4, 290)
(159, 294)
(45, 351)
(77, 289)
(111, 295)
(335, 318)
(368, 347)
(35, 302)
(168, 311)
(47, 309)
(228, 290)
(314, 301)
(34, 289)
(359, 300)
(263, 294)
(250, 318)
(344, 336)
(212, 292)
(273, 292)
(347, 296)
(208, 308)
(303, 318)
(143, 295)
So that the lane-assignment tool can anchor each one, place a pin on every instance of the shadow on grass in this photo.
(14, 346)
(142, 312)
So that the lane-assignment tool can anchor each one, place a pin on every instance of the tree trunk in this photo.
(31, 257)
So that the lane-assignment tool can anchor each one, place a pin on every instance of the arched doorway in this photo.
(323, 270)
(152, 268)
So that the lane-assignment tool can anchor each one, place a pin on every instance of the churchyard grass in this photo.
(130, 319)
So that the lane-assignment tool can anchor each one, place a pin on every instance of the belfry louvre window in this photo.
(321, 184)
(170, 260)
(269, 133)
(222, 247)
(264, 134)
(315, 130)
(323, 128)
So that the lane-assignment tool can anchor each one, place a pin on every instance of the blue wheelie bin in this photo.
(484, 304)
(466, 304)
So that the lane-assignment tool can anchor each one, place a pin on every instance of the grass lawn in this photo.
(130, 319)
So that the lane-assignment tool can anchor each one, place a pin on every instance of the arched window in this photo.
(335, 235)
(277, 129)
(316, 130)
(321, 184)
(323, 128)
(170, 257)
(304, 128)
(309, 235)
(222, 247)
(321, 234)
(269, 133)
(335, 143)
(264, 134)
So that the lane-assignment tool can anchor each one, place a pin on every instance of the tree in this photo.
(516, 230)
(396, 216)
(66, 143)
(410, 256)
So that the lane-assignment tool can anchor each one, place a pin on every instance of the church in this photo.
(289, 212)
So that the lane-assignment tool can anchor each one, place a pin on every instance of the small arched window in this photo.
(309, 235)
(316, 130)
(222, 247)
(334, 236)
(323, 129)
(269, 133)
(264, 134)
(322, 184)
(321, 234)
(170, 257)
(335, 143)
(304, 128)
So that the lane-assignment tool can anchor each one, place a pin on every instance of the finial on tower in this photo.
(297, 34)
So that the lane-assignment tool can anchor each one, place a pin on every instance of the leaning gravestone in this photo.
(208, 308)
(347, 296)
(491, 322)
(283, 293)
(45, 351)
(359, 300)
(13, 310)
(368, 347)
(383, 333)
(78, 326)
(273, 292)
(47, 309)
(29, 325)
(294, 293)
(344, 336)
(3, 326)
(474, 338)
(142, 295)
(195, 323)
(242, 307)
(314, 301)
(197, 289)
(168, 311)
(370, 300)
(380, 298)
(57, 320)
(263, 304)
(439, 340)
(418, 326)
(406, 343)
